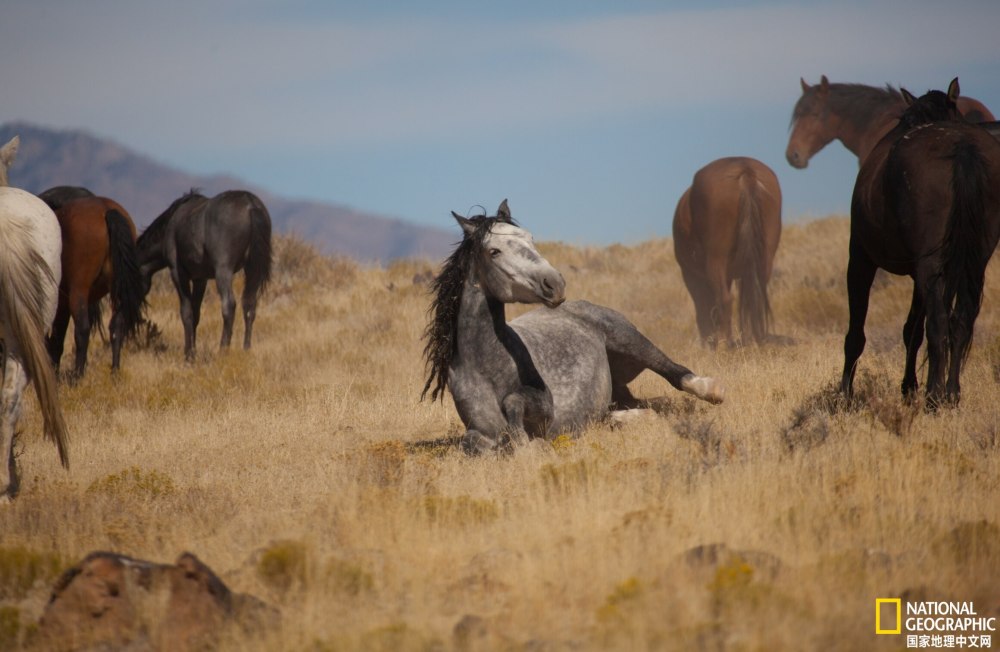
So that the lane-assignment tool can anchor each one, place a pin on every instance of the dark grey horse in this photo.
(552, 370)
(201, 238)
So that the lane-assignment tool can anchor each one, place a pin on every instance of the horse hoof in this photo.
(705, 388)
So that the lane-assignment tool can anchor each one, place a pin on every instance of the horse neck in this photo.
(150, 253)
(482, 320)
(862, 124)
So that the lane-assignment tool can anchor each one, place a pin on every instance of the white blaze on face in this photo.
(514, 271)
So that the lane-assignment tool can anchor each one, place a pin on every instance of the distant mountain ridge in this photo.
(49, 157)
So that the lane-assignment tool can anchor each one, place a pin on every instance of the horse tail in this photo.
(128, 297)
(22, 301)
(750, 262)
(260, 255)
(965, 247)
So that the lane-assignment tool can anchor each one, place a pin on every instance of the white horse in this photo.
(30, 248)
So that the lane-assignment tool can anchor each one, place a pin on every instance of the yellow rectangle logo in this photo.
(898, 602)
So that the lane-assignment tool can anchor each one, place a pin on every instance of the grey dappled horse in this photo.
(551, 370)
(30, 269)
(201, 238)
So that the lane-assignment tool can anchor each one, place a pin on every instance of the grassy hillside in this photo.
(771, 522)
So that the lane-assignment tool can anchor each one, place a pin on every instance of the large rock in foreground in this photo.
(110, 601)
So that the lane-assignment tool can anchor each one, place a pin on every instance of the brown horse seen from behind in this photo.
(726, 227)
(98, 259)
(926, 204)
(857, 115)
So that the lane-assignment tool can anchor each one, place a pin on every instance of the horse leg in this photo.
(937, 337)
(629, 352)
(81, 334)
(528, 408)
(913, 337)
(224, 284)
(860, 275)
(117, 330)
(701, 294)
(249, 315)
(57, 338)
(183, 286)
(14, 381)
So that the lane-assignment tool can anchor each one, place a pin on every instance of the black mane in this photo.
(857, 103)
(442, 331)
(157, 226)
(933, 106)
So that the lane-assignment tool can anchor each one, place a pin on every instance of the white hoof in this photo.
(705, 388)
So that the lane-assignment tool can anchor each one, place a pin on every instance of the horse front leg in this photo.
(527, 409)
(14, 381)
(860, 275)
(183, 286)
(224, 284)
(913, 337)
(57, 338)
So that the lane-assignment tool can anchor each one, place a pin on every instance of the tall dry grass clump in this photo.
(308, 473)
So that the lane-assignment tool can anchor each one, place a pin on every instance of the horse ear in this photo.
(9, 151)
(805, 85)
(953, 90)
(503, 212)
(467, 226)
(907, 96)
(824, 83)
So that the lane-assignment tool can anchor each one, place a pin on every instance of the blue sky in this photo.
(591, 117)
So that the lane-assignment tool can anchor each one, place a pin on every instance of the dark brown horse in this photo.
(726, 227)
(98, 258)
(858, 115)
(200, 238)
(926, 204)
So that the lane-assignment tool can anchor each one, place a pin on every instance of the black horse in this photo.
(926, 204)
(201, 238)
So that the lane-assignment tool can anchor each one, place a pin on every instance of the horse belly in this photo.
(572, 362)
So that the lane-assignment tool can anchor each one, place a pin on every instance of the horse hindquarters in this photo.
(972, 236)
(257, 270)
(759, 226)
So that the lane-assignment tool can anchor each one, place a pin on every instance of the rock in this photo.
(110, 601)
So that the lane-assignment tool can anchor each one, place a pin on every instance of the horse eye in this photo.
(494, 253)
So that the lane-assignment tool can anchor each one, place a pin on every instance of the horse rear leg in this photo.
(224, 284)
(629, 352)
(14, 381)
(860, 275)
(81, 334)
(249, 315)
(913, 337)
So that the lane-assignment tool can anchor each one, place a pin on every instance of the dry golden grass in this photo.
(771, 522)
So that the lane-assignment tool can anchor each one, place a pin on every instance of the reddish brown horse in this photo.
(98, 258)
(858, 115)
(926, 204)
(726, 227)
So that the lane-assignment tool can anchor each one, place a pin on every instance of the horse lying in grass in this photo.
(552, 370)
